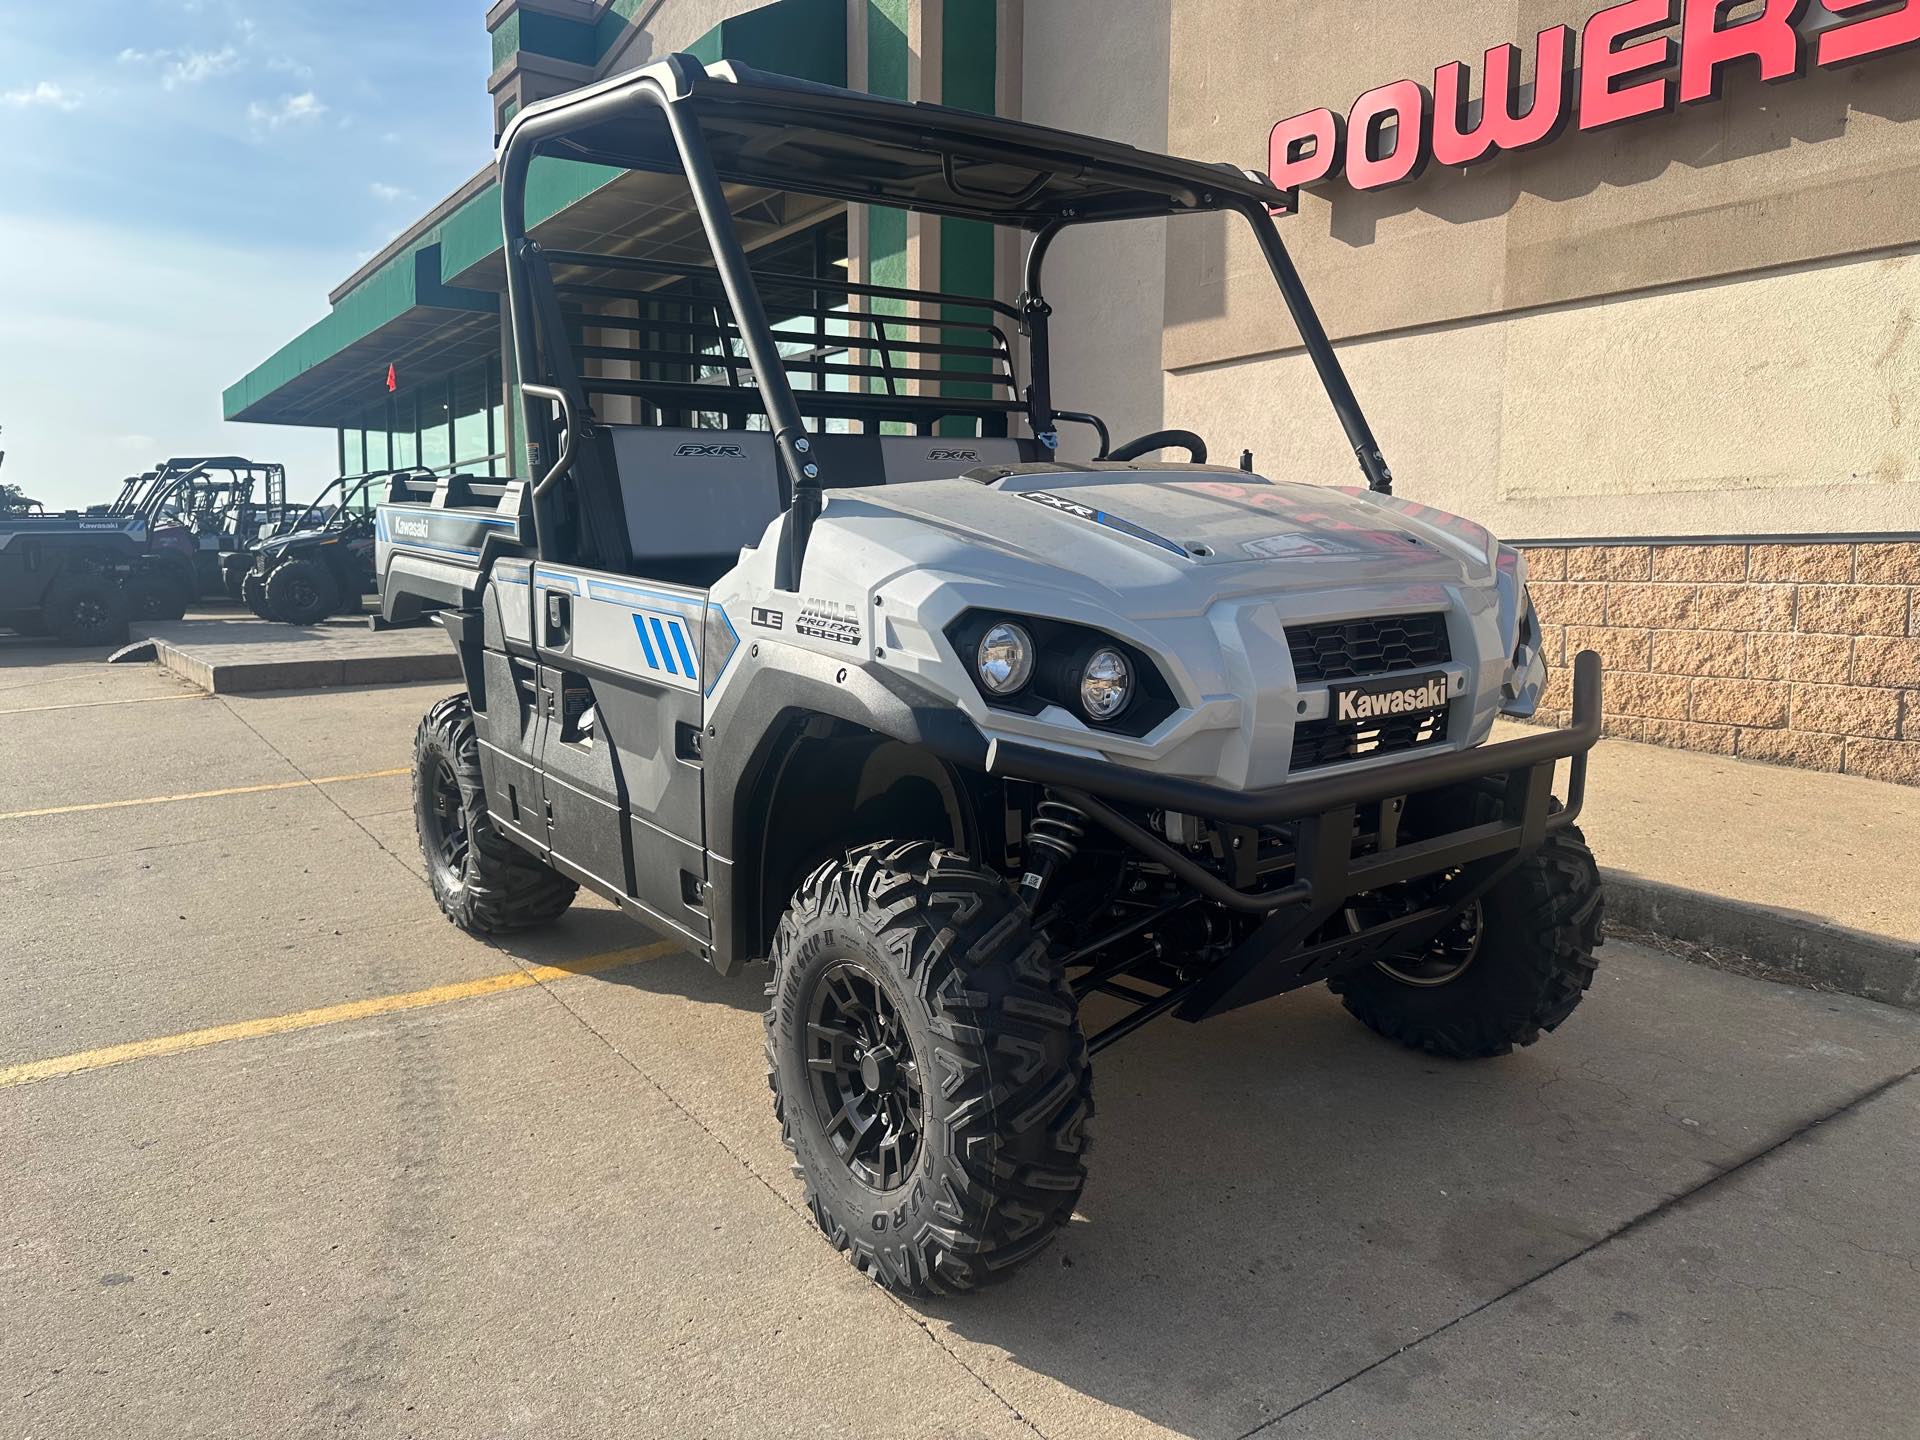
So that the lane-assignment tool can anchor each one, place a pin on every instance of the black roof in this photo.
(780, 133)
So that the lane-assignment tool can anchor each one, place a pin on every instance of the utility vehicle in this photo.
(202, 508)
(321, 561)
(961, 736)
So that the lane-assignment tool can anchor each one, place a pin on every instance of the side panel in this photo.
(510, 729)
(621, 664)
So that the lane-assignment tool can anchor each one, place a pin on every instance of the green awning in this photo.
(435, 305)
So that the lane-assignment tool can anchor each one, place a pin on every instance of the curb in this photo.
(1793, 947)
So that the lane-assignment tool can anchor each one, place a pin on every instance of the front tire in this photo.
(302, 592)
(1511, 971)
(253, 594)
(928, 1069)
(483, 882)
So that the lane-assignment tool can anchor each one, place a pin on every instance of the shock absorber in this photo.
(1052, 840)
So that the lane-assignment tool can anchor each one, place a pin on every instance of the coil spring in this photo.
(1059, 827)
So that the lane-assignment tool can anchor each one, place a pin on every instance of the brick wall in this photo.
(1805, 655)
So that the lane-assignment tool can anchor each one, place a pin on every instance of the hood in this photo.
(1121, 521)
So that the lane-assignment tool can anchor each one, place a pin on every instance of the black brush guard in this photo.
(1281, 954)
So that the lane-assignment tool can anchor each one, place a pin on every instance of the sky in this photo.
(181, 184)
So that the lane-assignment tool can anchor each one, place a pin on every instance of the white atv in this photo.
(959, 735)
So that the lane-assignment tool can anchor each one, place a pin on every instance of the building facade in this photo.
(1636, 282)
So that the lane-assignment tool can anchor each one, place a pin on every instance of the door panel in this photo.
(510, 731)
(620, 668)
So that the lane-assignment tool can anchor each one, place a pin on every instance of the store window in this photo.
(474, 391)
(405, 433)
(436, 427)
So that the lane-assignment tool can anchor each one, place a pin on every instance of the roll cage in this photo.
(766, 137)
(213, 487)
(368, 488)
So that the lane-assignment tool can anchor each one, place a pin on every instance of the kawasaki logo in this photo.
(711, 452)
(408, 529)
(1360, 705)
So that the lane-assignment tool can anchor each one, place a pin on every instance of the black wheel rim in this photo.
(89, 614)
(1446, 957)
(865, 1080)
(304, 597)
(444, 817)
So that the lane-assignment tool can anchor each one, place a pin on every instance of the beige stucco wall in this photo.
(1787, 403)
(1701, 323)
(1101, 66)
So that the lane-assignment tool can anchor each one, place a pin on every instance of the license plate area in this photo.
(1383, 716)
(1365, 702)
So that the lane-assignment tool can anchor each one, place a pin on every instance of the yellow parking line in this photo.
(202, 794)
(95, 704)
(61, 1065)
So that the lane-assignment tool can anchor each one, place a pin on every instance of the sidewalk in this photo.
(1802, 871)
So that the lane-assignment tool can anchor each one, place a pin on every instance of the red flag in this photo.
(393, 380)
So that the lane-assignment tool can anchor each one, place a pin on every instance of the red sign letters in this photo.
(1627, 63)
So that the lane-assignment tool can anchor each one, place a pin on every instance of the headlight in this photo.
(1106, 685)
(1005, 658)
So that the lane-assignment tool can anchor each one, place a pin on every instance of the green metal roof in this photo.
(411, 307)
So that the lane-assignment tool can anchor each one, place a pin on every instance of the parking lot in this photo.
(286, 1154)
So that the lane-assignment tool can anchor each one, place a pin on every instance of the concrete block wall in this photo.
(1795, 654)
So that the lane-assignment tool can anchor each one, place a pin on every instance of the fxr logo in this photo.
(711, 452)
(953, 455)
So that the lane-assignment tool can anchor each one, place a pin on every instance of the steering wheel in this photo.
(1160, 440)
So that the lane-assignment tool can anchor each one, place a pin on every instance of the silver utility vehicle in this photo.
(799, 642)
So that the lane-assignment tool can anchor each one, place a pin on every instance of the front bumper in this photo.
(1288, 951)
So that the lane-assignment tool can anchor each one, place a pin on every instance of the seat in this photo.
(695, 498)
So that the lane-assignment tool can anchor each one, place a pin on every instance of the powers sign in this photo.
(1630, 61)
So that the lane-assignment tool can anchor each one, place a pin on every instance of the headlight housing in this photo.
(1027, 664)
(1106, 685)
(1004, 658)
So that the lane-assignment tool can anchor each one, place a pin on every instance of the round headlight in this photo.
(1106, 685)
(1005, 659)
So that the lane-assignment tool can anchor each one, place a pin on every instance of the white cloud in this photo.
(190, 67)
(45, 93)
(185, 67)
(389, 193)
(291, 110)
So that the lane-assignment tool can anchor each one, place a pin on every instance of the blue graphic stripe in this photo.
(660, 634)
(680, 644)
(646, 645)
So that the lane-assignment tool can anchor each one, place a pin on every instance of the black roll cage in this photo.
(179, 475)
(349, 486)
(803, 138)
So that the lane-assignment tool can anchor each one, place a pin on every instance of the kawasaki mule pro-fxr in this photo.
(957, 734)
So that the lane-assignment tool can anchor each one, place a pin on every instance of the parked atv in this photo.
(321, 563)
(203, 508)
(995, 758)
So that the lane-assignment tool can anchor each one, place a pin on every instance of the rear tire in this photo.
(1529, 966)
(927, 1067)
(86, 610)
(302, 592)
(484, 883)
(156, 595)
(253, 594)
(232, 580)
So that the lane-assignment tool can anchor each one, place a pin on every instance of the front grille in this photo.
(1378, 645)
(1329, 741)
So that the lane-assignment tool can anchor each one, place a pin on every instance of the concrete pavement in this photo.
(563, 1209)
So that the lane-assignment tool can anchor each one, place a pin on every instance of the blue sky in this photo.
(181, 184)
